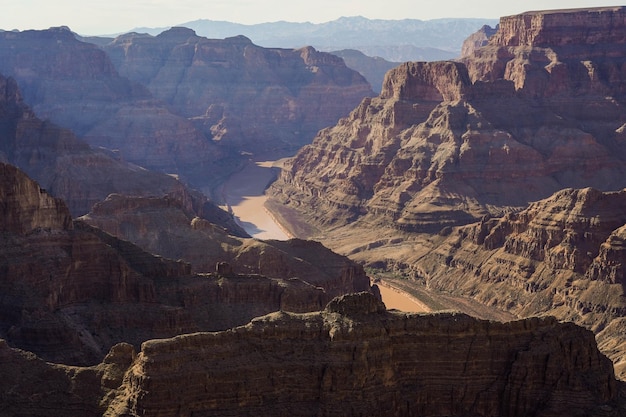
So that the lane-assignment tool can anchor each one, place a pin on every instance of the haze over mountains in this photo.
(495, 180)
(393, 40)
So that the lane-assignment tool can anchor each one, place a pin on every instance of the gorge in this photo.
(491, 187)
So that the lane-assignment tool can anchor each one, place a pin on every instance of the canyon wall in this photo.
(563, 256)
(446, 143)
(356, 358)
(75, 85)
(72, 291)
(436, 177)
(163, 227)
(239, 94)
(68, 168)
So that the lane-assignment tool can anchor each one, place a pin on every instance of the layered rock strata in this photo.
(71, 291)
(239, 94)
(356, 358)
(562, 256)
(31, 387)
(163, 227)
(446, 143)
(75, 85)
(81, 176)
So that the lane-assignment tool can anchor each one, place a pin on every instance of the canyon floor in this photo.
(243, 194)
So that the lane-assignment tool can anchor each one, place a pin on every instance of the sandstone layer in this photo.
(446, 143)
(71, 291)
(355, 358)
(75, 85)
(239, 94)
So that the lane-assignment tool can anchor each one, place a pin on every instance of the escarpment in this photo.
(447, 143)
(75, 85)
(356, 358)
(242, 96)
(163, 227)
(71, 291)
(70, 169)
(562, 256)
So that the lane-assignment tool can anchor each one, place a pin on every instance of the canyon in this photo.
(498, 177)
(497, 180)
(129, 99)
(71, 291)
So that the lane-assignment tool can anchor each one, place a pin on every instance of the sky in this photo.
(104, 17)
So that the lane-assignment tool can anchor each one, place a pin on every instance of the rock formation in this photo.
(241, 95)
(355, 358)
(562, 256)
(71, 291)
(163, 227)
(477, 40)
(75, 85)
(68, 168)
(443, 145)
(31, 387)
(538, 109)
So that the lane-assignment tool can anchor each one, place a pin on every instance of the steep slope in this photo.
(70, 169)
(75, 85)
(562, 256)
(241, 95)
(539, 109)
(354, 358)
(163, 227)
(71, 291)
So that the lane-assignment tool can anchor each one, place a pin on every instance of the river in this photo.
(244, 195)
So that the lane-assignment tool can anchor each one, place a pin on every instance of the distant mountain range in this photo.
(393, 40)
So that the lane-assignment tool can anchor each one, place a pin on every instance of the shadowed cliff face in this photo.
(163, 227)
(69, 169)
(71, 291)
(354, 358)
(75, 85)
(239, 94)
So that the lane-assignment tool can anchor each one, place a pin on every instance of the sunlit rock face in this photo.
(239, 94)
(538, 109)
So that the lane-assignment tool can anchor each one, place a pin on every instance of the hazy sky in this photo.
(91, 17)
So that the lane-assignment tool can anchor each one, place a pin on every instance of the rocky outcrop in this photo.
(446, 143)
(241, 95)
(163, 227)
(477, 40)
(71, 291)
(31, 387)
(562, 256)
(75, 85)
(27, 207)
(355, 358)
